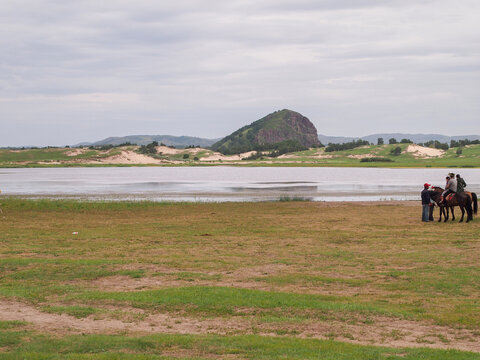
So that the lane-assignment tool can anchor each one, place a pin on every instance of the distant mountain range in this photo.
(184, 141)
(277, 127)
(169, 140)
(416, 138)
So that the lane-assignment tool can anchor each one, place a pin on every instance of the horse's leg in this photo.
(453, 214)
(446, 214)
(468, 206)
(440, 210)
(463, 213)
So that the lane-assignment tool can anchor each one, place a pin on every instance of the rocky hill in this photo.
(283, 126)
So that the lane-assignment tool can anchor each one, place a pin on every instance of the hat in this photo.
(427, 185)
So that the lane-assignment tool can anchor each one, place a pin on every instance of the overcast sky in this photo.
(73, 71)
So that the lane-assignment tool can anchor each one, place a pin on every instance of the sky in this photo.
(73, 71)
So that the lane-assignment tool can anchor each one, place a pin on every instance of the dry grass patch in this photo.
(420, 280)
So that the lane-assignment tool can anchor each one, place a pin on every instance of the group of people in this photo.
(454, 184)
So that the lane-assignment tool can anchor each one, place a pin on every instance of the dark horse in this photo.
(463, 200)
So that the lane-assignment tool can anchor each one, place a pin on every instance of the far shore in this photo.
(383, 156)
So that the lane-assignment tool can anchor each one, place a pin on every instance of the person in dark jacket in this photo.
(426, 202)
(461, 184)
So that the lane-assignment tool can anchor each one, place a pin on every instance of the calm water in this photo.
(226, 183)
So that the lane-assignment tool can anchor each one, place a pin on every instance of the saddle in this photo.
(449, 197)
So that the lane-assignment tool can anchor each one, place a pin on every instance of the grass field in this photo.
(61, 157)
(280, 280)
(470, 157)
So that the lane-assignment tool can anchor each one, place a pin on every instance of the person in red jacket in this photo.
(426, 202)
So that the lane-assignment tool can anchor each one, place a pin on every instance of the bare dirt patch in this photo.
(237, 280)
(287, 156)
(324, 156)
(424, 152)
(379, 331)
(75, 152)
(127, 157)
(53, 162)
(168, 150)
(361, 156)
(194, 151)
(253, 271)
(216, 156)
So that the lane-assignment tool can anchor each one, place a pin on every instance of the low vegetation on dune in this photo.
(287, 153)
(292, 279)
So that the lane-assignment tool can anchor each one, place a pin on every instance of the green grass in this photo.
(308, 280)
(6, 325)
(27, 345)
(276, 268)
(221, 301)
(74, 310)
(470, 158)
(114, 236)
(50, 154)
(189, 276)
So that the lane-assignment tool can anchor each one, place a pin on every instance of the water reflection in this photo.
(226, 183)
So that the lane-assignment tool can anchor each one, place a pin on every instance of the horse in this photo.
(463, 200)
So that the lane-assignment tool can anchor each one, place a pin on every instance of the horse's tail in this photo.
(475, 203)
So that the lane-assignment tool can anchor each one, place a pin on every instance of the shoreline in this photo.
(60, 198)
(235, 164)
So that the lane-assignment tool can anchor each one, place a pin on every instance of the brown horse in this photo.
(463, 200)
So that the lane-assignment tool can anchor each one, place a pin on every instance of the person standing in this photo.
(461, 184)
(426, 202)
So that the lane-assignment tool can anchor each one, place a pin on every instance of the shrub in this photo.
(186, 156)
(376, 159)
(149, 149)
(396, 151)
(346, 146)
(457, 143)
(436, 144)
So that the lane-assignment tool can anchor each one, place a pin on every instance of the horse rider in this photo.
(461, 184)
(450, 188)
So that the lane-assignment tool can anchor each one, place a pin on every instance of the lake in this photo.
(224, 183)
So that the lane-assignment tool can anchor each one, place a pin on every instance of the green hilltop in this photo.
(285, 127)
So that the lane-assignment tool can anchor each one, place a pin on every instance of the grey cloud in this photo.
(205, 68)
